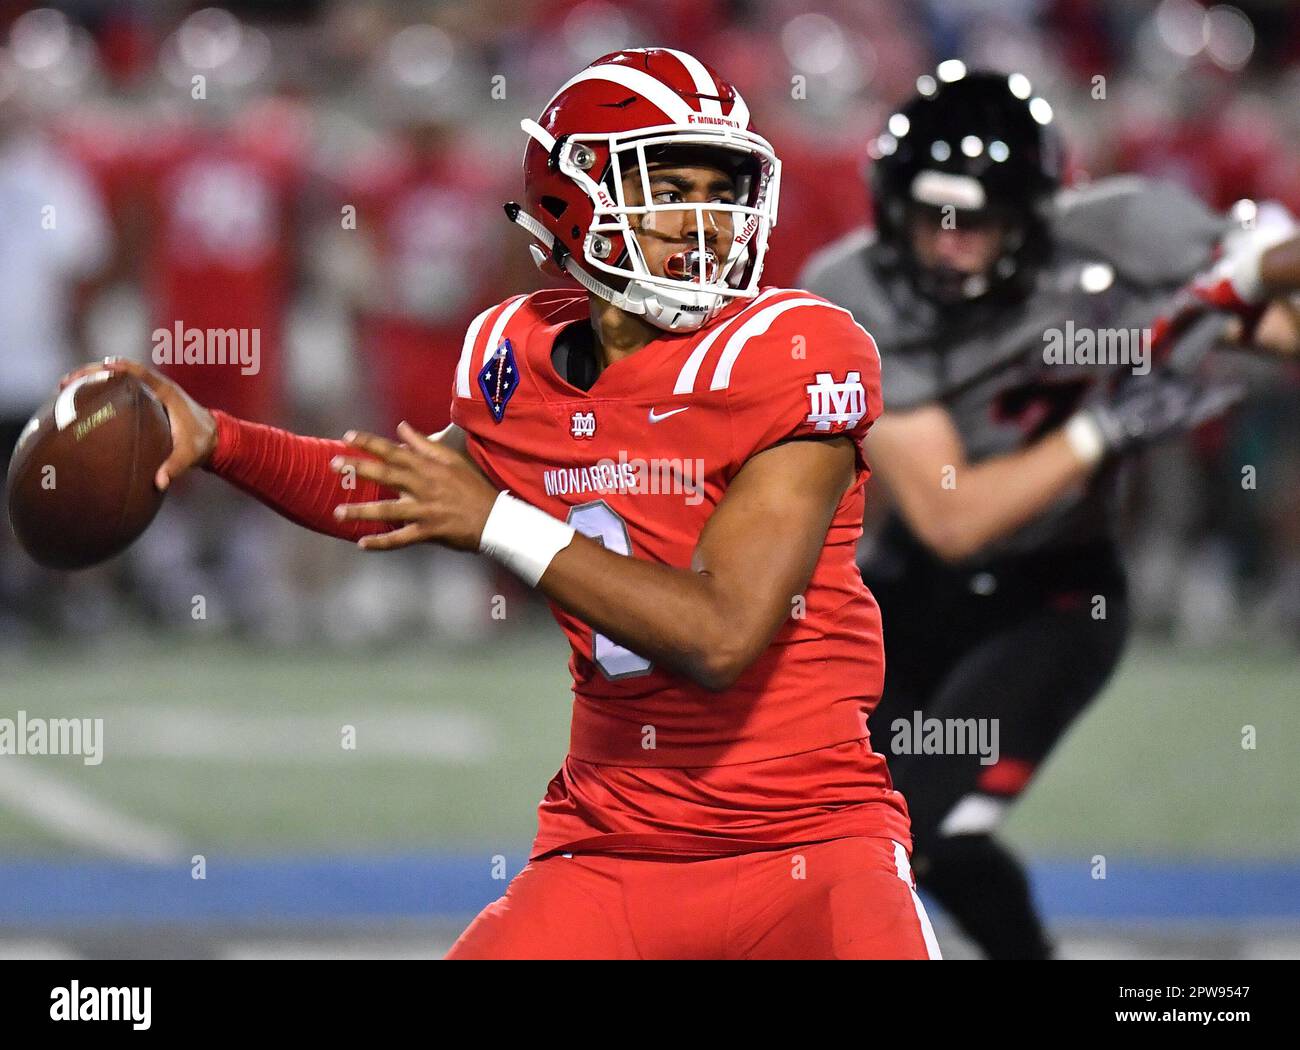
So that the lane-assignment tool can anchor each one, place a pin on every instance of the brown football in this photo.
(81, 478)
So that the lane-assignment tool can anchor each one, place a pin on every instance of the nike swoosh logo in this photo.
(657, 417)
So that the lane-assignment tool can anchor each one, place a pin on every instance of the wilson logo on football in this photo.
(583, 425)
(836, 406)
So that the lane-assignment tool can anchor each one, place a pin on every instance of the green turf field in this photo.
(225, 748)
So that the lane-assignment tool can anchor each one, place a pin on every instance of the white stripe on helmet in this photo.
(939, 188)
(739, 111)
(704, 82)
(656, 92)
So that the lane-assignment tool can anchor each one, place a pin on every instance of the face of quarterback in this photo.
(966, 246)
(670, 240)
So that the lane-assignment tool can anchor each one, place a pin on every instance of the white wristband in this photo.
(523, 538)
(1085, 438)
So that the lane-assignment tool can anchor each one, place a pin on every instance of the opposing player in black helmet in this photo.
(974, 148)
(1013, 319)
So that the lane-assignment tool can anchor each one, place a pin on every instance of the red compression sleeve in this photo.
(291, 474)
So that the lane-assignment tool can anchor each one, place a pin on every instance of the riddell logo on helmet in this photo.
(700, 118)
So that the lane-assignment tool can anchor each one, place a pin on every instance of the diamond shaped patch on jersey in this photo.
(498, 379)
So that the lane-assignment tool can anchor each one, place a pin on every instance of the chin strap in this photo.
(635, 299)
(565, 261)
(600, 288)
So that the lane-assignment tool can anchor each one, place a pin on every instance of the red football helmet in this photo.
(595, 130)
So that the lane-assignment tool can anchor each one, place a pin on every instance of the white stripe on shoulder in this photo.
(686, 377)
(849, 315)
(704, 83)
(756, 325)
(467, 351)
(654, 91)
(760, 322)
(498, 329)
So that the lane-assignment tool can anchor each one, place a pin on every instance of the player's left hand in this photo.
(1234, 283)
(1162, 404)
(443, 497)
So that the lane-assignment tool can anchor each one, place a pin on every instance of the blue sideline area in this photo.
(309, 889)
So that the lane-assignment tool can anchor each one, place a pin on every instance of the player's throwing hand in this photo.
(194, 431)
(443, 498)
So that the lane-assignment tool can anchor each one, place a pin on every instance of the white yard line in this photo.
(343, 947)
(76, 817)
(31, 788)
(35, 949)
(240, 736)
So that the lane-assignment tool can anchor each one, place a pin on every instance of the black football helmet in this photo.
(983, 143)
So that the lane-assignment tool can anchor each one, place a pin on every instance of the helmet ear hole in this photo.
(555, 205)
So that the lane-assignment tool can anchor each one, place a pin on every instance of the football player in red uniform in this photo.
(673, 457)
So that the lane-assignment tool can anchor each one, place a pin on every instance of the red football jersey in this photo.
(222, 225)
(640, 461)
(414, 210)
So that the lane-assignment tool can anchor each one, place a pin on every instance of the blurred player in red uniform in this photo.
(223, 222)
(221, 170)
(221, 209)
(416, 279)
(674, 459)
(401, 259)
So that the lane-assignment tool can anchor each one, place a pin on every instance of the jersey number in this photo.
(610, 531)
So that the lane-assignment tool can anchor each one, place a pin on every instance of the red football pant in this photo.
(851, 898)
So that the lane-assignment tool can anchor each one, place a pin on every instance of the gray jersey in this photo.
(1010, 372)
